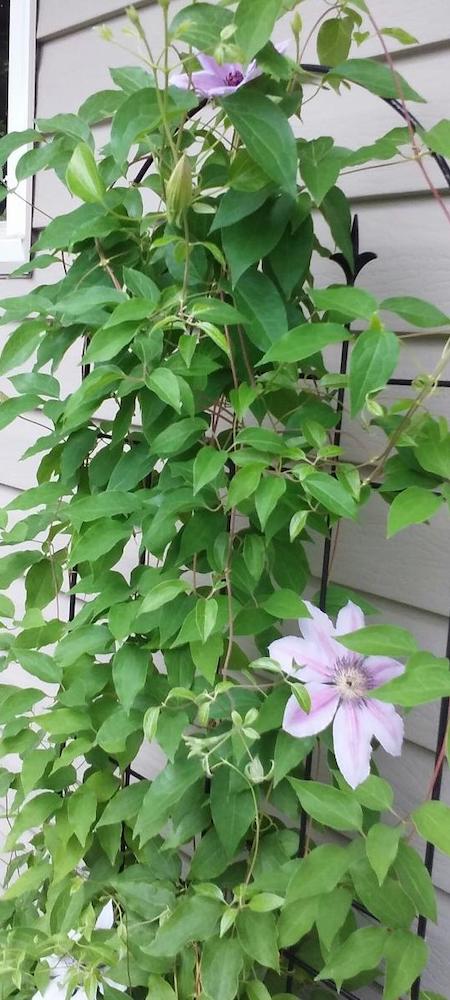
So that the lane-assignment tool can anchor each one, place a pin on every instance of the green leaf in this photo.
(243, 484)
(353, 303)
(406, 955)
(432, 822)
(254, 20)
(331, 494)
(39, 665)
(376, 77)
(125, 804)
(65, 124)
(138, 114)
(418, 312)
(388, 903)
(400, 35)
(82, 176)
(206, 616)
(334, 40)
(97, 540)
(305, 340)
(28, 882)
(265, 902)
(14, 140)
(222, 962)
(362, 950)
(81, 811)
(289, 753)
(178, 437)
(14, 565)
(35, 812)
(194, 919)
(163, 593)
(21, 344)
(320, 871)
(257, 933)
(433, 451)
(200, 25)
(91, 508)
(373, 360)
(215, 311)
(165, 385)
(436, 138)
(255, 990)
(43, 583)
(332, 913)
(232, 812)
(237, 205)
(263, 307)
(267, 135)
(164, 793)
(416, 881)
(251, 239)
(296, 921)
(207, 465)
(382, 640)
(129, 672)
(328, 805)
(381, 847)
(160, 989)
(269, 492)
(285, 604)
(320, 165)
(374, 793)
(413, 506)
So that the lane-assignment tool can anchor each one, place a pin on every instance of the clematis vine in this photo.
(60, 966)
(338, 682)
(218, 80)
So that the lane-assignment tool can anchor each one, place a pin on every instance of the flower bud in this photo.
(179, 190)
(296, 25)
(255, 771)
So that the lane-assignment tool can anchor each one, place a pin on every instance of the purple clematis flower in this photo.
(215, 80)
(337, 682)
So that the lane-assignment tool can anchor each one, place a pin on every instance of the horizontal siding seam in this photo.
(90, 22)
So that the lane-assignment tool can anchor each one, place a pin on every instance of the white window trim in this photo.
(15, 231)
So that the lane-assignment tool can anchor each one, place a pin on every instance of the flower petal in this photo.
(211, 66)
(251, 73)
(324, 702)
(318, 623)
(307, 655)
(208, 84)
(387, 725)
(351, 740)
(382, 669)
(180, 80)
(105, 919)
(349, 619)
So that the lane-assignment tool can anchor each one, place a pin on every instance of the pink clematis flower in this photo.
(337, 681)
(215, 80)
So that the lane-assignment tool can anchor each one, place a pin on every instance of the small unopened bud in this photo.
(179, 190)
(132, 15)
(374, 408)
(296, 25)
(255, 771)
(203, 713)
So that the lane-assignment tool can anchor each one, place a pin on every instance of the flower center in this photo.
(234, 78)
(352, 680)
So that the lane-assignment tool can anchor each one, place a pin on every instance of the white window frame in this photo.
(15, 230)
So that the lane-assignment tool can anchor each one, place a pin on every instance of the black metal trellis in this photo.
(360, 260)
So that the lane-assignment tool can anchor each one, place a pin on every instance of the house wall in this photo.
(407, 578)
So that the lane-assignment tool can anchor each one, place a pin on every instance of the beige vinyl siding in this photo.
(407, 578)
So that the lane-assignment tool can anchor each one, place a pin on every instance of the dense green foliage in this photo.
(190, 297)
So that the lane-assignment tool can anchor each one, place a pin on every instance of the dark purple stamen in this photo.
(234, 78)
